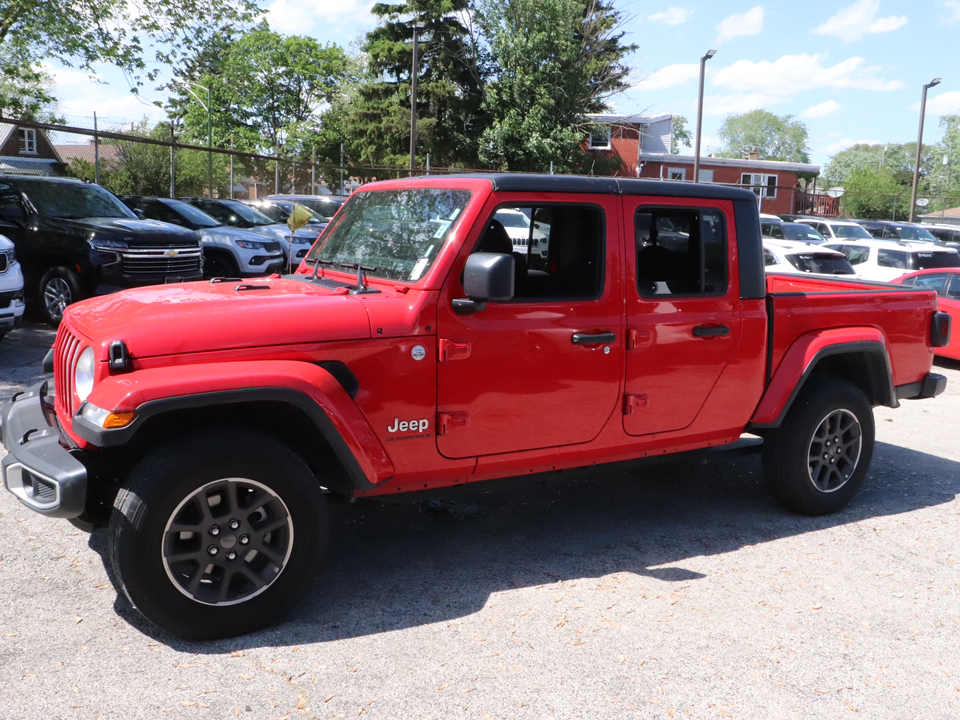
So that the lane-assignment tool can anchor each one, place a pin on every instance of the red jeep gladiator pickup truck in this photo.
(417, 348)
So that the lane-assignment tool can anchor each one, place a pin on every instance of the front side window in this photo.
(680, 251)
(28, 141)
(392, 234)
(558, 250)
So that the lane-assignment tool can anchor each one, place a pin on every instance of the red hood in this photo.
(201, 316)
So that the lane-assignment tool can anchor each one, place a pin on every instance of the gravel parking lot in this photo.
(666, 591)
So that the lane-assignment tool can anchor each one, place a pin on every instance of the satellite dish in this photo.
(835, 192)
(923, 202)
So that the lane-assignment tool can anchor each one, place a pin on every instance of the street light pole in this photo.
(696, 152)
(186, 84)
(916, 162)
(414, 73)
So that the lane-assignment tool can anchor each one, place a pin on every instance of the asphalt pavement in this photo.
(633, 591)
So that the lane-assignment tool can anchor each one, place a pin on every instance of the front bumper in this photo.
(39, 468)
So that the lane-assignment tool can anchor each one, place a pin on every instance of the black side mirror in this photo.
(13, 213)
(488, 277)
(140, 213)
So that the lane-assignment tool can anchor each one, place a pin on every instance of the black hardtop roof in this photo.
(511, 182)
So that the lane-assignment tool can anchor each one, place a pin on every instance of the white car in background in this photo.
(887, 260)
(518, 227)
(11, 288)
(835, 229)
(792, 257)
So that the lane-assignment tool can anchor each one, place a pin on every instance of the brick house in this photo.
(644, 145)
(27, 151)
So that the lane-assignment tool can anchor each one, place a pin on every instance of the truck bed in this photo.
(797, 305)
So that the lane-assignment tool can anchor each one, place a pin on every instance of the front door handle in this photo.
(587, 339)
(711, 331)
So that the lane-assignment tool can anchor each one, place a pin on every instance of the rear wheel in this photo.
(59, 287)
(219, 535)
(817, 460)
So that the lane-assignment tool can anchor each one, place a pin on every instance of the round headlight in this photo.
(83, 376)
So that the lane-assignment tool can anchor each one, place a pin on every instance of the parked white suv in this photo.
(11, 288)
(834, 229)
(790, 256)
(889, 259)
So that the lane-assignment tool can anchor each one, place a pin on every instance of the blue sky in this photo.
(852, 71)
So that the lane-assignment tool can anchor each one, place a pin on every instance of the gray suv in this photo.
(227, 251)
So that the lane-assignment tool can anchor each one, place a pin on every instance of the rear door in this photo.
(683, 308)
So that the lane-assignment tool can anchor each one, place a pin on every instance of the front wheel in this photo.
(219, 535)
(59, 287)
(817, 460)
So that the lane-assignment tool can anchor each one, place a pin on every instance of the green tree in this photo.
(681, 135)
(266, 94)
(774, 137)
(138, 39)
(554, 62)
(872, 193)
(25, 89)
(450, 81)
(943, 179)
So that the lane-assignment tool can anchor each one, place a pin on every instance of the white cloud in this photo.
(842, 144)
(298, 17)
(947, 103)
(824, 109)
(748, 23)
(669, 77)
(854, 21)
(791, 74)
(80, 95)
(738, 103)
(952, 7)
(672, 16)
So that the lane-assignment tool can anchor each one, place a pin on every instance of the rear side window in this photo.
(924, 260)
(930, 281)
(893, 259)
(680, 251)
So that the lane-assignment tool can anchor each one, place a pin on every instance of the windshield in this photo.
(188, 212)
(394, 234)
(850, 231)
(274, 212)
(801, 232)
(911, 232)
(73, 200)
(255, 217)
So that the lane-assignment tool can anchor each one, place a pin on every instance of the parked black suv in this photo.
(76, 239)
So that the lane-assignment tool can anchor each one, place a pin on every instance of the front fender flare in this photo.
(311, 388)
(801, 360)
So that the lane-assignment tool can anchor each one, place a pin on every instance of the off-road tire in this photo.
(818, 458)
(218, 535)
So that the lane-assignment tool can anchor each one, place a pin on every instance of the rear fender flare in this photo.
(314, 390)
(809, 351)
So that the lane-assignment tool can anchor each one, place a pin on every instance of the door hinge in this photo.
(634, 402)
(447, 420)
(450, 350)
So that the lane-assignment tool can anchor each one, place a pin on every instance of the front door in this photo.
(683, 311)
(543, 370)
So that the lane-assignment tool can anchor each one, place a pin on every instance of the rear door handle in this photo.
(588, 339)
(711, 331)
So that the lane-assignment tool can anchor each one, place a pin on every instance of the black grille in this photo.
(271, 247)
(3, 262)
(160, 261)
(8, 297)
